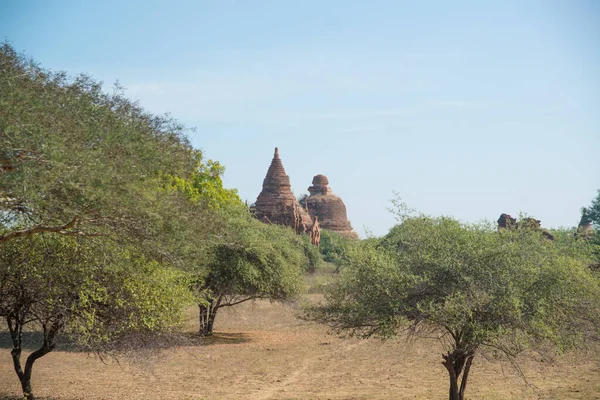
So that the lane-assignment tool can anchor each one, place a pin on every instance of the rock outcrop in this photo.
(276, 203)
(330, 209)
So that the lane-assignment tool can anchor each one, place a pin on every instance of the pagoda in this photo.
(329, 208)
(277, 204)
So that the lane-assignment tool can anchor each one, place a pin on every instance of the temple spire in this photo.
(276, 202)
(276, 180)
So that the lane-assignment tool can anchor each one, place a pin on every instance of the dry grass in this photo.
(262, 351)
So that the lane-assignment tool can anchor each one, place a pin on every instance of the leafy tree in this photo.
(471, 286)
(334, 248)
(254, 260)
(589, 229)
(312, 253)
(90, 203)
(206, 185)
(593, 211)
(64, 286)
(246, 259)
(585, 218)
(77, 161)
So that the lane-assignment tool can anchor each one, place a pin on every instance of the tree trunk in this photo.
(463, 384)
(454, 363)
(16, 336)
(450, 364)
(24, 377)
(27, 390)
(208, 313)
(16, 333)
(46, 348)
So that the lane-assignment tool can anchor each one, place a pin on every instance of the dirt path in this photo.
(302, 371)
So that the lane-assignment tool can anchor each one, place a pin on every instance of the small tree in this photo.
(473, 287)
(589, 229)
(593, 211)
(255, 260)
(335, 248)
(88, 291)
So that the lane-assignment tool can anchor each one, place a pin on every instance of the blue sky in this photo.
(465, 108)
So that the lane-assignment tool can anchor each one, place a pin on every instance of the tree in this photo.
(312, 253)
(66, 286)
(254, 260)
(335, 248)
(90, 206)
(593, 211)
(245, 259)
(206, 186)
(77, 161)
(473, 287)
(589, 229)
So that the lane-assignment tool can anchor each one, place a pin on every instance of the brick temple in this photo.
(277, 204)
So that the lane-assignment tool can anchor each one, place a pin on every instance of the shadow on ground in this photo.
(225, 338)
(33, 341)
(163, 341)
(4, 396)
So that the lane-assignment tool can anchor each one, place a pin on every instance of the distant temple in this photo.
(527, 224)
(276, 204)
(330, 209)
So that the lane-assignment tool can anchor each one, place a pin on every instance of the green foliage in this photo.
(334, 248)
(78, 161)
(591, 216)
(593, 211)
(492, 286)
(256, 260)
(312, 254)
(253, 260)
(472, 286)
(205, 186)
(582, 245)
(95, 296)
(94, 231)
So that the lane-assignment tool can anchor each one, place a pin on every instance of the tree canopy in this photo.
(72, 287)
(78, 161)
(470, 285)
(254, 260)
(111, 223)
(592, 213)
(94, 234)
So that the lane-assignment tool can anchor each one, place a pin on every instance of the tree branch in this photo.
(65, 229)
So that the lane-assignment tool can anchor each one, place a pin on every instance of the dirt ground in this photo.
(261, 351)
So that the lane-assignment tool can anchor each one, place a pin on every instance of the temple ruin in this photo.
(277, 204)
(526, 224)
(330, 209)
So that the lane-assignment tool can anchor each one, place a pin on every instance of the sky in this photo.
(467, 109)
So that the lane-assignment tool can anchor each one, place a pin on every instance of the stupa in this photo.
(330, 209)
(276, 203)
